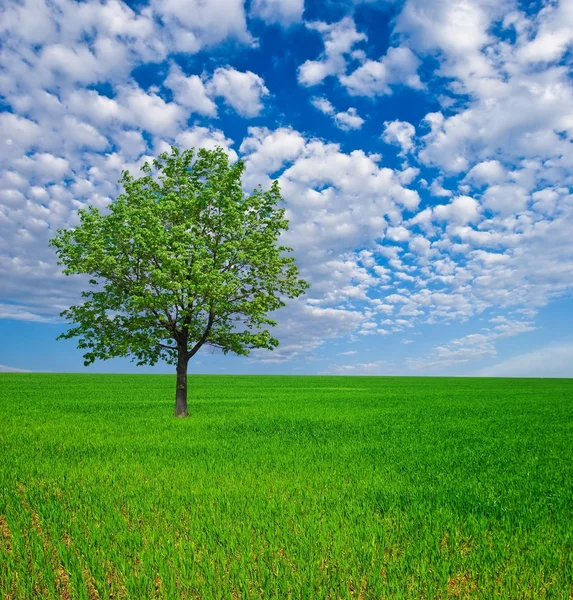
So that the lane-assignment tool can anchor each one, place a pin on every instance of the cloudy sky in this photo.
(424, 149)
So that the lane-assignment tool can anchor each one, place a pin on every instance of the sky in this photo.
(423, 149)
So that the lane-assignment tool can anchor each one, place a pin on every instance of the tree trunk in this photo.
(181, 392)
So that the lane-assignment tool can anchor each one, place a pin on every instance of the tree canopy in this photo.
(183, 258)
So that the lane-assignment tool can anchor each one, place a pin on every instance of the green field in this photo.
(285, 487)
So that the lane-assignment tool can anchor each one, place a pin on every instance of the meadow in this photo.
(285, 487)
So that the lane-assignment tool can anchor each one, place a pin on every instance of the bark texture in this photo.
(181, 392)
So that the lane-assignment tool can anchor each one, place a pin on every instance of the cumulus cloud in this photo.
(241, 91)
(51, 188)
(150, 111)
(323, 105)
(462, 209)
(459, 29)
(345, 120)
(74, 43)
(194, 24)
(514, 109)
(506, 199)
(199, 137)
(339, 39)
(554, 35)
(336, 202)
(189, 91)
(508, 141)
(284, 12)
(298, 339)
(349, 119)
(374, 78)
(20, 134)
(400, 133)
(487, 172)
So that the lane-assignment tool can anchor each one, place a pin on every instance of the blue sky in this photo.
(423, 149)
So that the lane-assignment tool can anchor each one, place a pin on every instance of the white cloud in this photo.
(87, 42)
(508, 129)
(131, 143)
(438, 191)
(469, 348)
(5, 369)
(472, 347)
(374, 78)
(19, 134)
(323, 105)
(335, 203)
(522, 118)
(82, 135)
(198, 137)
(419, 245)
(268, 152)
(400, 133)
(95, 117)
(554, 34)
(189, 91)
(284, 12)
(487, 172)
(74, 43)
(512, 109)
(204, 137)
(554, 360)
(348, 120)
(194, 24)
(546, 201)
(241, 91)
(32, 21)
(99, 109)
(506, 199)
(77, 64)
(370, 368)
(20, 312)
(33, 284)
(303, 328)
(458, 28)
(462, 209)
(345, 120)
(398, 234)
(150, 112)
(42, 167)
(339, 39)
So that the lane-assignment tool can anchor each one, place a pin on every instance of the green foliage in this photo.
(286, 487)
(183, 258)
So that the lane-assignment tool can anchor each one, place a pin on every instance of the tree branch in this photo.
(204, 337)
(167, 347)
(134, 277)
(165, 311)
(243, 296)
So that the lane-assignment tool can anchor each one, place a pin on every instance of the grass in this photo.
(285, 487)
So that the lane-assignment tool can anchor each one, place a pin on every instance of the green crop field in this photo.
(285, 487)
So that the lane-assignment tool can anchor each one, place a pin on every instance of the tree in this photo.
(184, 258)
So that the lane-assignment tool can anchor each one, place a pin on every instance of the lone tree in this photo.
(182, 259)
